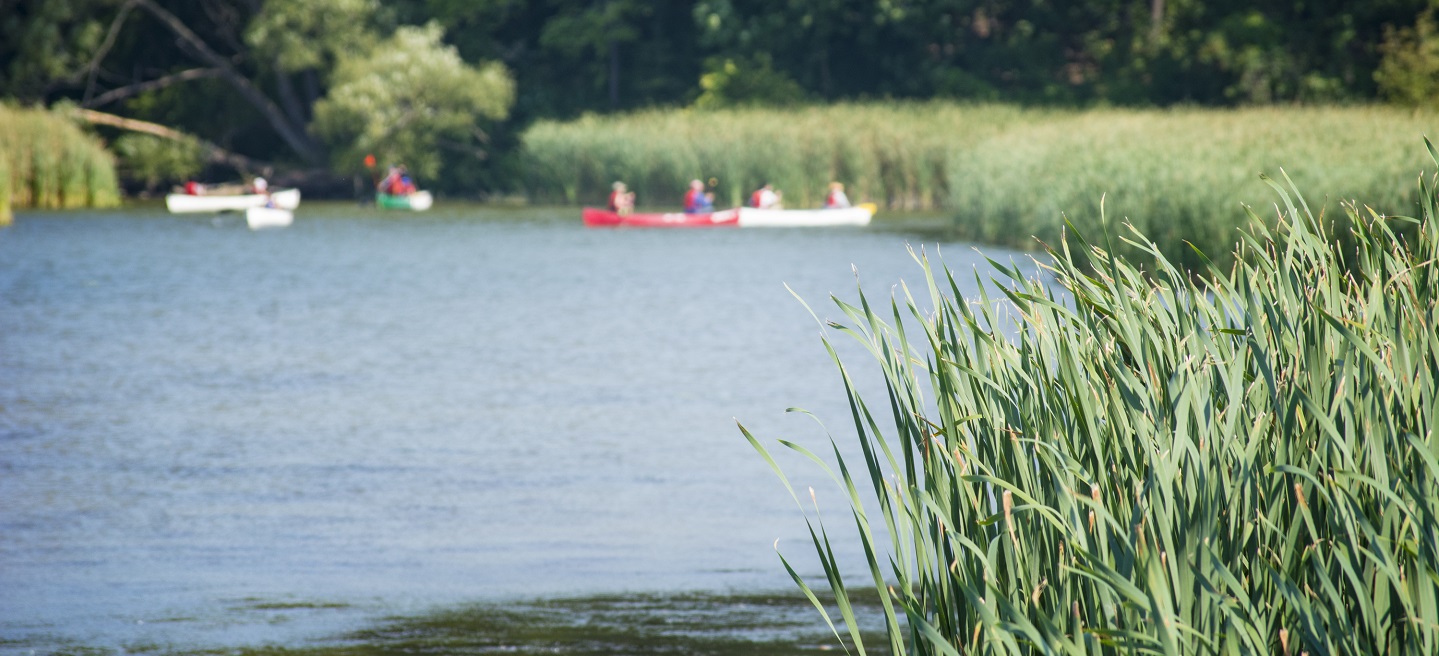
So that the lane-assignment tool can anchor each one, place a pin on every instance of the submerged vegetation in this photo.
(48, 162)
(1146, 459)
(778, 624)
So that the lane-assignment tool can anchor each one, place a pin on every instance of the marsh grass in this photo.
(1131, 458)
(48, 162)
(1008, 176)
(1181, 175)
(891, 153)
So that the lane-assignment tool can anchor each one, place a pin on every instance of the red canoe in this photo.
(596, 217)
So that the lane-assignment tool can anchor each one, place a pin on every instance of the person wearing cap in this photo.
(765, 198)
(697, 201)
(836, 198)
(622, 201)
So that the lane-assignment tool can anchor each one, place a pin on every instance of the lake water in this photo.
(369, 414)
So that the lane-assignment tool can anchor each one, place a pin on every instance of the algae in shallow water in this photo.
(716, 625)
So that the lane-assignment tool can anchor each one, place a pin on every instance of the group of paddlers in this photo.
(698, 200)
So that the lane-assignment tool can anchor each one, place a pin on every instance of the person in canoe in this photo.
(392, 178)
(697, 200)
(836, 198)
(397, 182)
(622, 200)
(765, 198)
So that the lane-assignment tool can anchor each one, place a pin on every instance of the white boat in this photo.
(285, 199)
(751, 217)
(268, 217)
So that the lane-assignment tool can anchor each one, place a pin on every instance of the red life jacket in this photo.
(754, 198)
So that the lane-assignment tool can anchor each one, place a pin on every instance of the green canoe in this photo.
(418, 201)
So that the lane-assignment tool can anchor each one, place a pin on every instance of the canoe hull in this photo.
(600, 218)
(260, 218)
(285, 199)
(416, 202)
(750, 217)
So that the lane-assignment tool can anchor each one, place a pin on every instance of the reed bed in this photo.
(1008, 175)
(1180, 175)
(48, 162)
(894, 154)
(1117, 461)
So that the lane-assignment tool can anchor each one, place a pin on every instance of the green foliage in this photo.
(408, 98)
(1119, 459)
(592, 27)
(43, 41)
(312, 34)
(155, 161)
(48, 162)
(1409, 72)
(745, 81)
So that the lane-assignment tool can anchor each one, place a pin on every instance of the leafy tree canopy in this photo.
(312, 34)
(409, 98)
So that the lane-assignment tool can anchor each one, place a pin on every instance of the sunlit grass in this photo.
(1006, 175)
(891, 153)
(1181, 175)
(47, 162)
(1129, 457)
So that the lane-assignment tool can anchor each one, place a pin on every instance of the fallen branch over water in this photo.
(212, 153)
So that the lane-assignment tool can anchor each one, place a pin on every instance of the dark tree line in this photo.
(229, 72)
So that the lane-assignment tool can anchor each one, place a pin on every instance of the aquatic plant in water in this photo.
(1146, 459)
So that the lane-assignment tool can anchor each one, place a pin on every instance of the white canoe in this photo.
(268, 217)
(285, 199)
(750, 217)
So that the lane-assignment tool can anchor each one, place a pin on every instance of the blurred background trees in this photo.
(448, 84)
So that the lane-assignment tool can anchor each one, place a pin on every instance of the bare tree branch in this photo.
(212, 153)
(149, 85)
(293, 135)
(104, 48)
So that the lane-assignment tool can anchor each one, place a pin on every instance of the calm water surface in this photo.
(372, 414)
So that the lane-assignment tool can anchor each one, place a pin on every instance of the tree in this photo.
(1409, 72)
(746, 81)
(217, 69)
(407, 100)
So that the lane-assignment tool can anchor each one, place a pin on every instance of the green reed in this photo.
(1127, 459)
(894, 154)
(6, 216)
(1179, 175)
(49, 162)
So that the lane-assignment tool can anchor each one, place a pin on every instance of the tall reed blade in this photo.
(1155, 459)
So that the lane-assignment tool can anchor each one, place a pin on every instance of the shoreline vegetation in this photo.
(47, 162)
(1006, 174)
(1128, 456)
